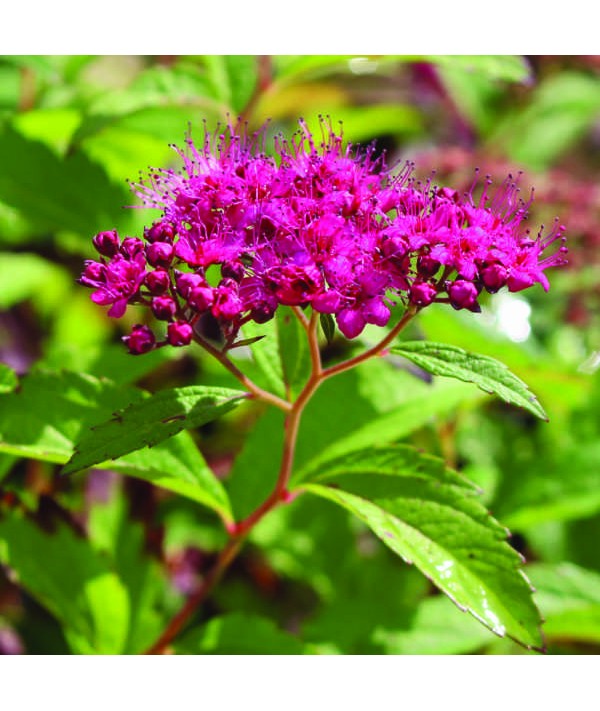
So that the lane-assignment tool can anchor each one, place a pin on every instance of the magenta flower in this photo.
(314, 225)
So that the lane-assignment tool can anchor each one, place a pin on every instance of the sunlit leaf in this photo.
(150, 421)
(428, 515)
(489, 374)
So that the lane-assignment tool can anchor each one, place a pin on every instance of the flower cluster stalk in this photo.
(239, 531)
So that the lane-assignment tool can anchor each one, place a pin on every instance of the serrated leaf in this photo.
(489, 374)
(239, 633)
(70, 579)
(151, 421)
(341, 406)
(428, 515)
(51, 410)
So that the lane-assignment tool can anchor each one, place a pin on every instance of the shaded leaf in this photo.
(55, 193)
(436, 628)
(569, 598)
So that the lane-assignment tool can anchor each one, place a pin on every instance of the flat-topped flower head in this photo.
(249, 225)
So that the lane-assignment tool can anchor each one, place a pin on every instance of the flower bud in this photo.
(131, 246)
(141, 340)
(164, 308)
(160, 232)
(93, 274)
(157, 282)
(179, 333)
(186, 281)
(463, 294)
(201, 298)
(107, 243)
(493, 277)
(422, 293)
(159, 254)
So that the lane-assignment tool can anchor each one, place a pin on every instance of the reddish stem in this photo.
(240, 531)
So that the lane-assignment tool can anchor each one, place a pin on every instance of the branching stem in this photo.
(240, 531)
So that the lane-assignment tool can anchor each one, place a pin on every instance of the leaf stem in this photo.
(376, 349)
(254, 389)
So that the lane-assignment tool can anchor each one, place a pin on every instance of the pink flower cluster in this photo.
(313, 224)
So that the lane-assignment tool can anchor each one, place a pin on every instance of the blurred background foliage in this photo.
(98, 563)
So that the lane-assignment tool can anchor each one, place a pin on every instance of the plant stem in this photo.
(256, 391)
(226, 557)
(375, 350)
(240, 531)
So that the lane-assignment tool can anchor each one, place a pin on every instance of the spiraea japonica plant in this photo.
(263, 249)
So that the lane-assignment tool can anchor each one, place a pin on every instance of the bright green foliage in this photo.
(8, 379)
(281, 354)
(237, 633)
(487, 373)
(100, 562)
(76, 584)
(150, 421)
(427, 514)
(52, 411)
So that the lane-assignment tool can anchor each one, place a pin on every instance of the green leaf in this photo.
(150, 421)
(430, 404)
(340, 407)
(428, 515)
(328, 326)
(435, 629)
(561, 110)
(487, 373)
(497, 67)
(233, 79)
(70, 579)
(56, 193)
(52, 126)
(112, 532)
(178, 466)
(239, 633)
(569, 598)
(46, 415)
(6, 464)
(563, 487)
(8, 379)
(24, 276)
(52, 410)
(282, 354)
